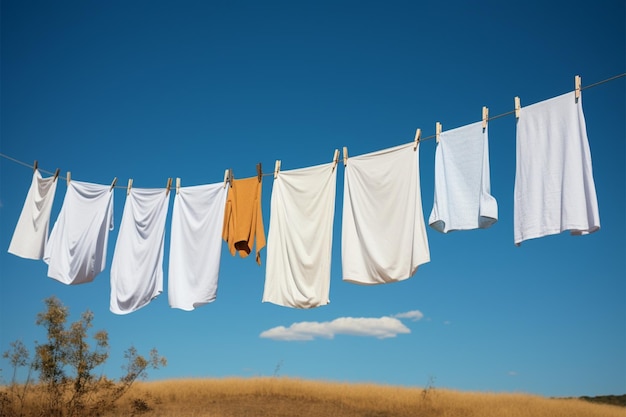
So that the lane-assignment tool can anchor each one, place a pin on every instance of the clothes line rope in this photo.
(498, 116)
(604, 81)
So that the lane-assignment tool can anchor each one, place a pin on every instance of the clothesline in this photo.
(498, 116)
(551, 137)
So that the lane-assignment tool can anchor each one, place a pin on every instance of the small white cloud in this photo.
(511, 373)
(447, 322)
(306, 330)
(414, 315)
(380, 328)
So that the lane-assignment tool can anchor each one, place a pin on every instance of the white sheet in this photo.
(383, 233)
(137, 267)
(462, 182)
(554, 186)
(77, 249)
(31, 232)
(196, 244)
(300, 237)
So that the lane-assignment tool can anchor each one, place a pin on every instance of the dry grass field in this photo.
(278, 397)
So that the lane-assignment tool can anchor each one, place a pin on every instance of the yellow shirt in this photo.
(243, 218)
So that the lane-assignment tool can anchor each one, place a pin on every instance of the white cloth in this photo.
(554, 187)
(462, 183)
(77, 248)
(137, 267)
(383, 233)
(300, 237)
(31, 232)
(196, 244)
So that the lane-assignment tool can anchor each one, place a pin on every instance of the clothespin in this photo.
(177, 185)
(169, 185)
(438, 129)
(130, 185)
(113, 184)
(518, 107)
(226, 177)
(345, 156)
(69, 177)
(276, 168)
(56, 173)
(418, 134)
(335, 158)
(259, 172)
(577, 86)
(485, 117)
(231, 177)
(36, 164)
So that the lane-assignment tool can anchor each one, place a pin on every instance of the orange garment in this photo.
(243, 219)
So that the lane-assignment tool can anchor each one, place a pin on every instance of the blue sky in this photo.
(150, 89)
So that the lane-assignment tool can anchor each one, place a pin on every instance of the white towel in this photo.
(77, 249)
(137, 267)
(300, 237)
(554, 187)
(383, 233)
(31, 232)
(462, 183)
(196, 244)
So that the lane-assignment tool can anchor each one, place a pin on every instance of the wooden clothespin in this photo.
(345, 156)
(169, 185)
(113, 184)
(130, 185)
(485, 117)
(69, 177)
(259, 172)
(276, 168)
(35, 165)
(226, 177)
(231, 177)
(56, 173)
(418, 134)
(518, 107)
(577, 86)
(438, 129)
(335, 158)
(177, 185)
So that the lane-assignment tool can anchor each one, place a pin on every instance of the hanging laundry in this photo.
(243, 221)
(462, 182)
(300, 237)
(31, 232)
(195, 246)
(137, 267)
(383, 232)
(77, 248)
(554, 186)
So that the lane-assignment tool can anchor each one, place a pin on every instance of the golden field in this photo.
(277, 397)
(282, 397)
